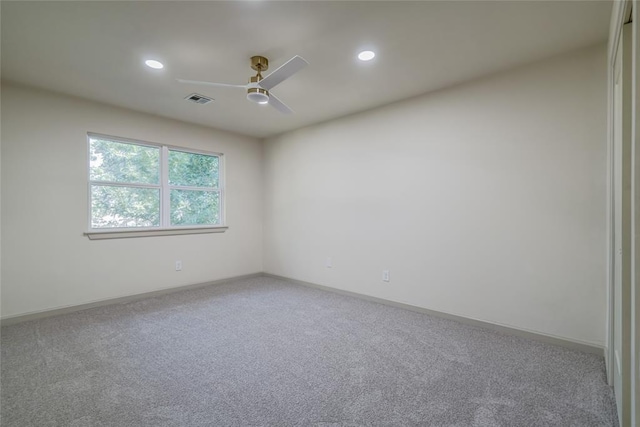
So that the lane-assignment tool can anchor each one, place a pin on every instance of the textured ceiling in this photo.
(96, 50)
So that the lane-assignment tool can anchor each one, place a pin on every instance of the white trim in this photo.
(623, 12)
(635, 222)
(165, 192)
(222, 189)
(610, 231)
(620, 11)
(624, 358)
(206, 189)
(104, 234)
(570, 343)
(619, 16)
(534, 335)
(125, 184)
(41, 314)
(87, 163)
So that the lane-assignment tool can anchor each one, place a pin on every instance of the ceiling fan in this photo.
(258, 87)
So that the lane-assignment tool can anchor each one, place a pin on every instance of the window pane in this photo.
(193, 170)
(124, 207)
(121, 162)
(195, 207)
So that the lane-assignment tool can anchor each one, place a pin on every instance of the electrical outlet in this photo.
(328, 263)
(178, 265)
(385, 275)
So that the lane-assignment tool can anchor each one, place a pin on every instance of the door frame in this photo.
(622, 12)
(618, 18)
(635, 220)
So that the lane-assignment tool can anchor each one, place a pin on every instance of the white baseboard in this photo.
(537, 336)
(607, 365)
(19, 318)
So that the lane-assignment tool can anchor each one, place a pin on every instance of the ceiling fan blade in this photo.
(194, 82)
(279, 105)
(287, 70)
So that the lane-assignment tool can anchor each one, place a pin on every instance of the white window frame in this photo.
(165, 228)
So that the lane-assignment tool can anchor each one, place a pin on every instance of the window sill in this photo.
(124, 234)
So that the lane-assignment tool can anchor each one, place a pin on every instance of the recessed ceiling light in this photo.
(154, 64)
(366, 55)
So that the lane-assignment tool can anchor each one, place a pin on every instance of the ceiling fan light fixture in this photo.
(258, 95)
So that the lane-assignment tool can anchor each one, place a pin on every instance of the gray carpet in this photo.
(262, 352)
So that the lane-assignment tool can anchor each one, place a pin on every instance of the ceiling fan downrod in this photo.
(258, 94)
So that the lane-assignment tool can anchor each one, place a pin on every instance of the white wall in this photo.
(48, 263)
(485, 200)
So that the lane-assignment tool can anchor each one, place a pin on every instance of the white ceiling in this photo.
(96, 50)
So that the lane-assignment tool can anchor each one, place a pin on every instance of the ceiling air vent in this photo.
(198, 99)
